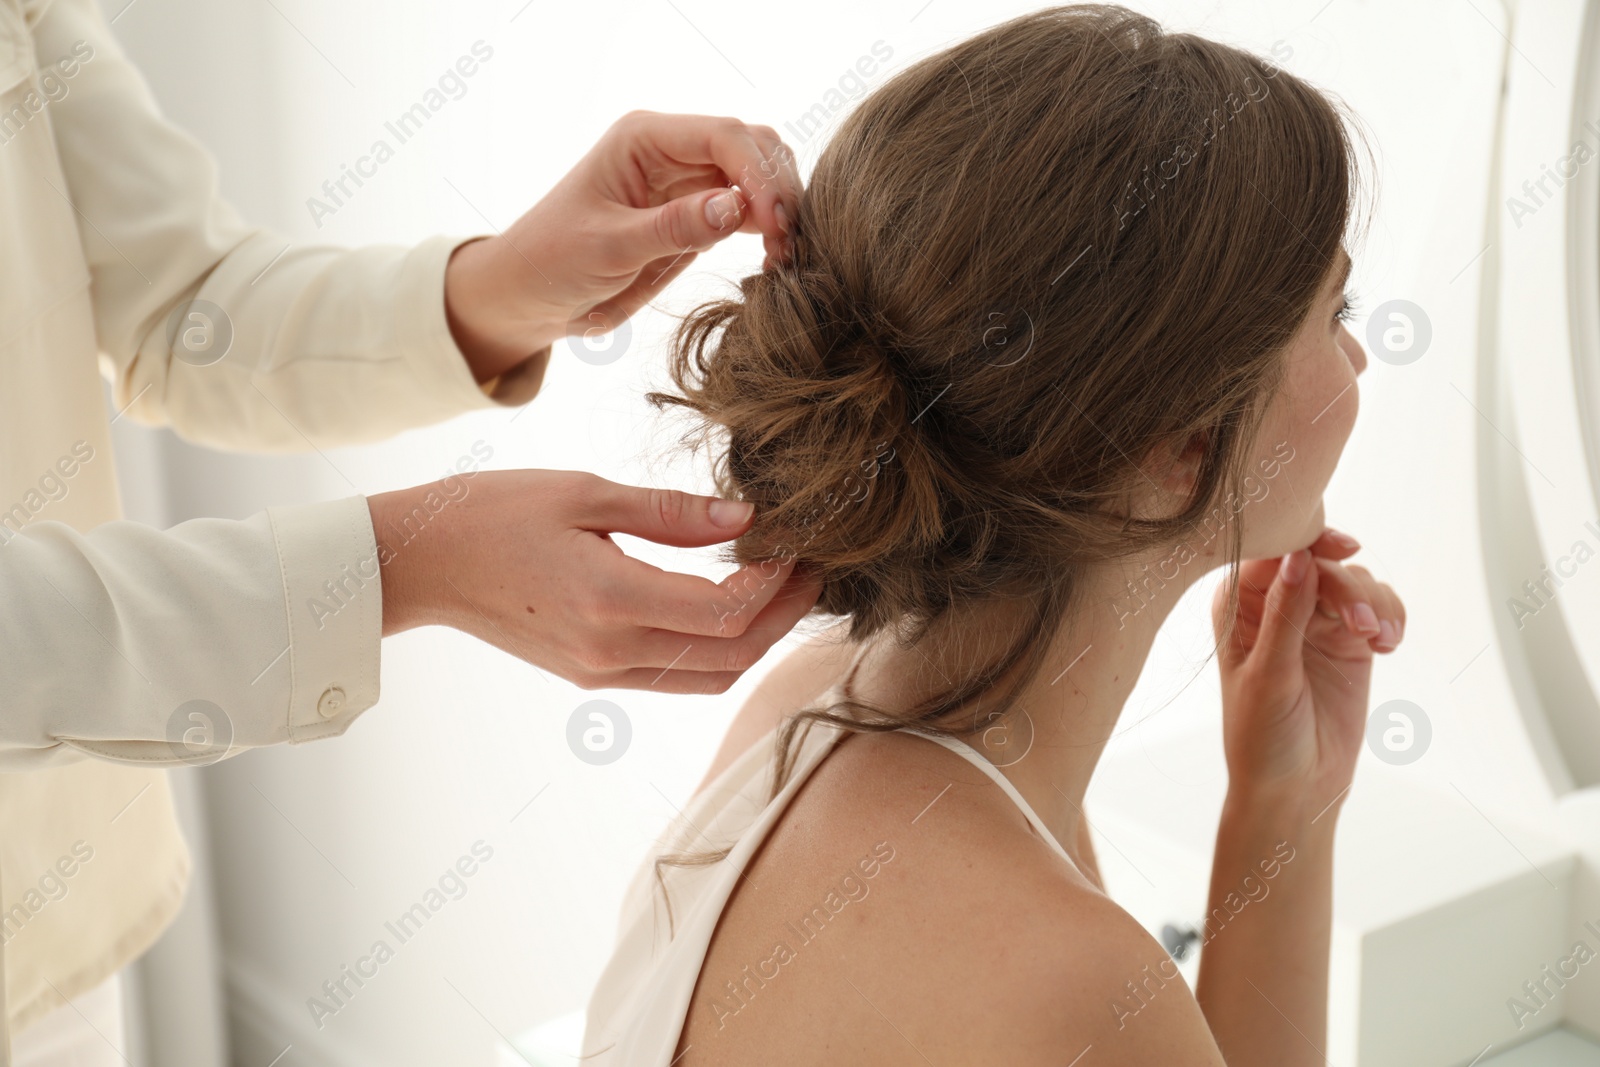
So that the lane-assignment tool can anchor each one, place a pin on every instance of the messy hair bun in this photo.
(820, 403)
(1019, 264)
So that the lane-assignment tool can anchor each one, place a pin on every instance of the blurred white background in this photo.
(313, 849)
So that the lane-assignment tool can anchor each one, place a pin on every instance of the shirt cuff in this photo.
(329, 558)
(431, 348)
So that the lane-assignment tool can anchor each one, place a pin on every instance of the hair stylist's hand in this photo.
(524, 561)
(654, 191)
(1297, 671)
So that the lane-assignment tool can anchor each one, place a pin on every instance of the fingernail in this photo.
(731, 513)
(721, 208)
(1386, 633)
(1366, 618)
(1343, 539)
(1293, 568)
(782, 216)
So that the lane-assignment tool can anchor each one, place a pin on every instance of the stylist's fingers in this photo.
(661, 650)
(652, 279)
(751, 157)
(672, 681)
(666, 516)
(693, 606)
(688, 224)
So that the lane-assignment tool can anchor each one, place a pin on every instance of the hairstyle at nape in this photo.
(1019, 263)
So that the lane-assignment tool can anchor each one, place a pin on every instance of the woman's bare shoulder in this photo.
(905, 900)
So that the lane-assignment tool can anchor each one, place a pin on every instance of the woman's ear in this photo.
(1170, 471)
(1178, 467)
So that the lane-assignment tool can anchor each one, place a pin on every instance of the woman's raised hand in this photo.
(1297, 669)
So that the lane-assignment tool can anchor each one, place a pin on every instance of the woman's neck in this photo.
(1050, 742)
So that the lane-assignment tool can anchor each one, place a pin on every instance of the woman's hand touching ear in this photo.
(1297, 671)
(524, 560)
(654, 191)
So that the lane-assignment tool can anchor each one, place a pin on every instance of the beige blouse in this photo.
(134, 645)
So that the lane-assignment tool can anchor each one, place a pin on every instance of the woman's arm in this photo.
(1263, 981)
(1295, 685)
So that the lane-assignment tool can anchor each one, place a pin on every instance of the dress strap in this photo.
(978, 760)
(841, 687)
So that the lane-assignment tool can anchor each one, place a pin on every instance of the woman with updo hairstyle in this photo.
(1062, 333)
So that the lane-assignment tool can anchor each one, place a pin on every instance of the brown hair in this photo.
(1019, 264)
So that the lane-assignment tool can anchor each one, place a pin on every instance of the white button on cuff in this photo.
(331, 702)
